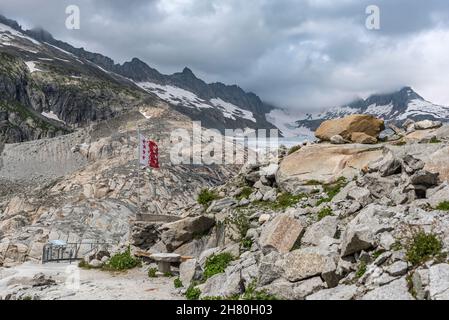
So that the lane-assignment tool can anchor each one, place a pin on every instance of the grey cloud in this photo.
(303, 55)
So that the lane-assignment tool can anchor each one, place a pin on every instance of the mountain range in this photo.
(395, 107)
(57, 87)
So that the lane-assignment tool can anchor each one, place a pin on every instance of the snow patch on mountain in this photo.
(184, 98)
(231, 111)
(282, 119)
(380, 111)
(52, 115)
(418, 107)
(15, 33)
(175, 95)
(32, 66)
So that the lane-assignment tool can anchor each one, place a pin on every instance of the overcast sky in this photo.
(300, 54)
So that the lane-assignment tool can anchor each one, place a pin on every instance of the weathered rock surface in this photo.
(345, 127)
(324, 163)
(396, 290)
(281, 233)
(339, 293)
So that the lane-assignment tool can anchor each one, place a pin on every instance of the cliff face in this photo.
(46, 91)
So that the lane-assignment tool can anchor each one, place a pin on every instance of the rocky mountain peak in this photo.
(40, 34)
(10, 23)
(188, 72)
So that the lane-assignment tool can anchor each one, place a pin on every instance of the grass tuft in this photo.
(206, 196)
(422, 247)
(217, 263)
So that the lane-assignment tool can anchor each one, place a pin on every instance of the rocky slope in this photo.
(83, 186)
(371, 224)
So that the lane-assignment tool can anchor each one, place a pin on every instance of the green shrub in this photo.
(246, 243)
(240, 223)
(332, 189)
(434, 140)
(168, 274)
(193, 293)
(206, 196)
(286, 200)
(313, 183)
(443, 206)
(252, 294)
(325, 212)
(294, 149)
(178, 283)
(122, 261)
(246, 192)
(283, 201)
(361, 270)
(84, 265)
(422, 247)
(152, 272)
(216, 264)
(377, 254)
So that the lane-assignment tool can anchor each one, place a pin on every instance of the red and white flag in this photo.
(148, 152)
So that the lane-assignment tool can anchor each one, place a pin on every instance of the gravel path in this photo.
(94, 284)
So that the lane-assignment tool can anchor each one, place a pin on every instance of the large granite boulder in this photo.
(347, 126)
(175, 234)
(323, 163)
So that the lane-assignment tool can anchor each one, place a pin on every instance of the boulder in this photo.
(424, 178)
(189, 271)
(323, 163)
(255, 196)
(363, 138)
(271, 267)
(174, 234)
(41, 280)
(309, 262)
(337, 139)
(281, 233)
(411, 164)
(346, 126)
(396, 290)
(397, 269)
(386, 165)
(439, 282)
(95, 263)
(269, 171)
(438, 196)
(320, 229)
(286, 290)
(436, 162)
(270, 195)
(144, 235)
(343, 292)
(222, 285)
(360, 233)
(219, 205)
(427, 124)
(264, 218)
(362, 195)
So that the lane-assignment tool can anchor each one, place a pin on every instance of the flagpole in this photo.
(139, 208)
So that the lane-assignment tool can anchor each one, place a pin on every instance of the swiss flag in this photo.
(148, 152)
(154, 155)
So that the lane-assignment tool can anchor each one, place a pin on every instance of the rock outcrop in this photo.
(356, 128)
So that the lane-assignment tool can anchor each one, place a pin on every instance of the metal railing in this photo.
(72, 251)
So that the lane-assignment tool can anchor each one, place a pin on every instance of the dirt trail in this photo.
(93, 284)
